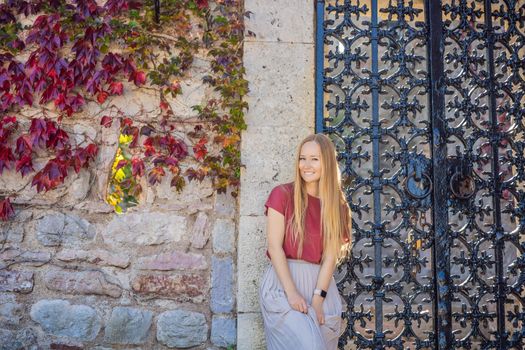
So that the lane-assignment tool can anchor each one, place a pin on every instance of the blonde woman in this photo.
(308, 228)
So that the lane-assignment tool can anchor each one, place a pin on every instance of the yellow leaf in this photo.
(125, 139)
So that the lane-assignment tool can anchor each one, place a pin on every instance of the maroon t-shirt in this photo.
(281, 199)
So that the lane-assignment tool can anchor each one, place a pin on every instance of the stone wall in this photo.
(279, 65)
(75, 275)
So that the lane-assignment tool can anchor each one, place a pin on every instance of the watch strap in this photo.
(320, 292)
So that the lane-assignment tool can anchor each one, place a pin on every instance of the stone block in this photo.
(250, 332)
(276, 21)
(55, 229)
(222, 291)
(11, 257)
(181, 287)
(16, 281)
(82, 282)
(145, 229)
(282, 87)
(223, 236)
(252, 261)
(97, 257)
(60, 318)
(23, 339)
(11, 232)
(181, 329)
(199, 233)
(128, 326)
(223, 331)
(175, 260)
(10, 310)
(225, 205)
(261, 174)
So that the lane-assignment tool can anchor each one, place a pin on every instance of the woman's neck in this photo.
(312, 188)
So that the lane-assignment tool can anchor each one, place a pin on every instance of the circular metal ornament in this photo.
(462, 186)
(418, 189)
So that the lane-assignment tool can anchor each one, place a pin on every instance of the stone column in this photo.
(279, 65)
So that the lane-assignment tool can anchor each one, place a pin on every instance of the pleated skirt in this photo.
(288, 329)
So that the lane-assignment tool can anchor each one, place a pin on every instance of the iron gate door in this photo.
(425, 101)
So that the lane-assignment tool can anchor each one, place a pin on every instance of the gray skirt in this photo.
(287, 329)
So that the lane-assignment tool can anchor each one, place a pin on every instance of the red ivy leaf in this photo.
(83, 156)
(202, 4)
(137, 167)
(126, 122)
(59, 140)
(200, 149)
(6, 158)
(106, 121)
(155, 175)
(193, 174)
(6, 210)
(102, 97)
(51, 176)
(138, 77)
(23, 145)
(25, 165)
(116, 88)
(121, 163)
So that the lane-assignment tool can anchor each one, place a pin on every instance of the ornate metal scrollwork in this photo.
(425, 102)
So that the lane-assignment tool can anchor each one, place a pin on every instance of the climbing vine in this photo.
(80, 51)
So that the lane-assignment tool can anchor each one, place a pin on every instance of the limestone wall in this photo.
(279, 65)
(75, 275)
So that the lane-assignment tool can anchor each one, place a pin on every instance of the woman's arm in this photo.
(275, 231)
(323, 282)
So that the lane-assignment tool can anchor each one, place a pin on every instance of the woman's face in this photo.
(310, 162)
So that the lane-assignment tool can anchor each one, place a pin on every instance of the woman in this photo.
(308, 229)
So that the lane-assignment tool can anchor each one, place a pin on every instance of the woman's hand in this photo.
(317, 304)
(297, 302)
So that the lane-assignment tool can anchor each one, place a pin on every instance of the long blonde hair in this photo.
(335, 213)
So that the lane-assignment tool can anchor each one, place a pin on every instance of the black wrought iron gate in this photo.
(425, 101)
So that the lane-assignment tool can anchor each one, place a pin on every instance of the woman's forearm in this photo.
(325, 273)
(280, 264)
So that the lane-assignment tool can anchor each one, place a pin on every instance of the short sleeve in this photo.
(276, 200)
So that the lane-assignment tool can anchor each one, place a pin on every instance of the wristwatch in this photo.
(320, 292)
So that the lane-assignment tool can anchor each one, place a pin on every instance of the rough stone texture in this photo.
(199, 233)
(82, 282)
(11, 232)
(60, 318)
(16, 256)
(23, 339)
(193, 89)
(97, 257)
(145, 228)
(128, 326)
(181, 329)
(223, 236)
(16, 281)
(191, 192)
(183, 287)
(250, 332)
(284, 105)
(225, 205)
(55, 229)
(222, 293)
(10, 310)
(223, 331)
(261, 174)
(251, 262)
(279, 21)
(173, 261)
